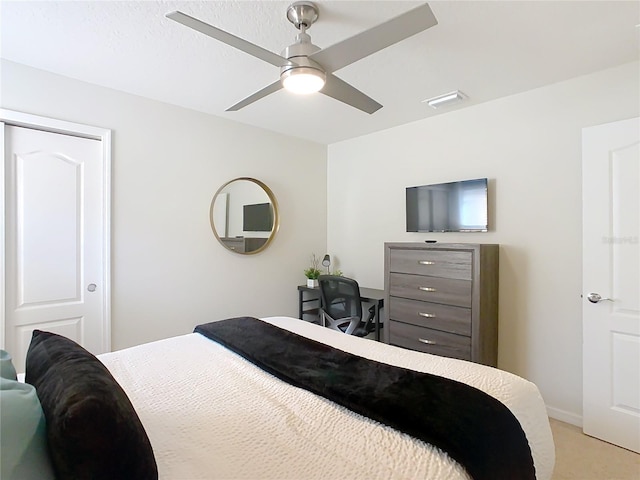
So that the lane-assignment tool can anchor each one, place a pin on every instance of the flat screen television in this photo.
(448, 207)
(257, 217)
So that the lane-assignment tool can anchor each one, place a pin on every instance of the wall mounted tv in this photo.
(448, 207)
(257, 217)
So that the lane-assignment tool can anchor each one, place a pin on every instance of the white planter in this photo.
(312, 283)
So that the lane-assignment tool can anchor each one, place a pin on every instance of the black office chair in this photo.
(341, 306)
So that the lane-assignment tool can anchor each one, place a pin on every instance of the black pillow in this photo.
(93, 431)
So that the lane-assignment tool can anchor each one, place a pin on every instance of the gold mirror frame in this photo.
(243, 245)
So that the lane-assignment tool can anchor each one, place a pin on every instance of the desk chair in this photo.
(341, 306)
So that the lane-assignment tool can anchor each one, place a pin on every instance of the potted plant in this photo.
(313, 272)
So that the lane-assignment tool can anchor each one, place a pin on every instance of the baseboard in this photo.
(564, 416)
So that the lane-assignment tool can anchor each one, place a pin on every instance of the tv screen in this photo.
(448, 207)
(257, 217)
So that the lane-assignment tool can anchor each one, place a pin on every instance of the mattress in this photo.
(210, 414)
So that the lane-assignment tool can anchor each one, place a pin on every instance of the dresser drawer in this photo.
(437, 263)
(432, 315)
(431, 289)
(429, 341)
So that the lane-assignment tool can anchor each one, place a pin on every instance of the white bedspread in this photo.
(210, 414)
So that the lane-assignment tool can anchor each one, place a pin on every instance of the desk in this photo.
(368, 295)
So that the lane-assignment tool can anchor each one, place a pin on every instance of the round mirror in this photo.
(244, 215)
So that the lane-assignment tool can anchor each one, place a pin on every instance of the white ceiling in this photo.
(486, 49)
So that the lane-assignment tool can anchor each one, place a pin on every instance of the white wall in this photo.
(168, 271)
(529, 146)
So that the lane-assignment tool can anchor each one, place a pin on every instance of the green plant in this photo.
(313, 272)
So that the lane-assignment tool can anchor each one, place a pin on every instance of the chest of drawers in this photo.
(442, 298)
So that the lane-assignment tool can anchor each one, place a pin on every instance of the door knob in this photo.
(596, 297)
(91, 287)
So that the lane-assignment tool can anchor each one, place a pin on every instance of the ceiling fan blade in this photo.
(341, 90)
(274, 87)
(370, 41)
(229, 39)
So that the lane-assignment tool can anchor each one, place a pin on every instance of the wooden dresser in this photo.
(243, 244)
(442, 298)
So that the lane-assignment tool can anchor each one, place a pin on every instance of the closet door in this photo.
(55, 243)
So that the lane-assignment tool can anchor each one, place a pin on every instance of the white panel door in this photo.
(54, 278)
(611, 282)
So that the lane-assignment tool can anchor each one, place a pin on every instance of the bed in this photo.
(210, 414)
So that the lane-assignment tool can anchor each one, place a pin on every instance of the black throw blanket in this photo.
(474, 428)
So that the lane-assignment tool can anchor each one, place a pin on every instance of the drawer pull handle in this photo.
(428, 342)
(427, 315)
(427, 289)
(426, 262)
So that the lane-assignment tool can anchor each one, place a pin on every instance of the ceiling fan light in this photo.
(303, 80)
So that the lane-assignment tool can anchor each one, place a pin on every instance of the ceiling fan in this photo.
(306, 68)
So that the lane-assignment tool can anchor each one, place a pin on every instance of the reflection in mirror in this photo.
(244, 215)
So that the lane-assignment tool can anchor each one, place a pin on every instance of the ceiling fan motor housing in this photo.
(299, 54)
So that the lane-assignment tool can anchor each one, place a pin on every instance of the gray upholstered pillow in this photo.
(23, 435)
(7, 370)
(92, 427)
